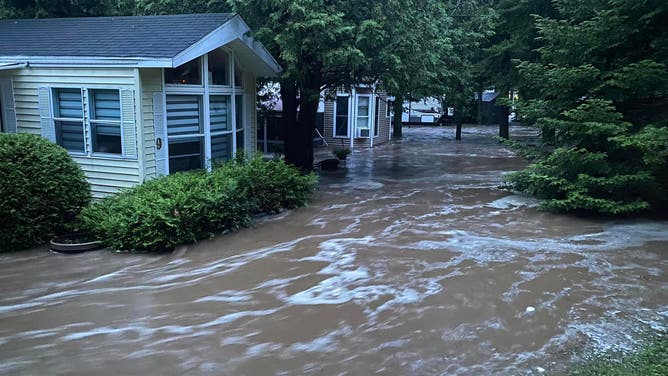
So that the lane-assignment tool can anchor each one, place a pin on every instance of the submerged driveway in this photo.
(411, 262)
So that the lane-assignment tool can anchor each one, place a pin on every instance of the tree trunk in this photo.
(479, 107)
(458, 121)
(289, 119)
(504, 126)
(299, 137)
(398, 112)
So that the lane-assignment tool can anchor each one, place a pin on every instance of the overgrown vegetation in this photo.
(598, 91)
(42, 191)
(651, 361)
(185, 207)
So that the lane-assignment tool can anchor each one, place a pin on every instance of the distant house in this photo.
(132, 98)
(357, 118)
(491, 112)
(425, 111)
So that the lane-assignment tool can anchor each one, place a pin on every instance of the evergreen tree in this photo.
(600, 90)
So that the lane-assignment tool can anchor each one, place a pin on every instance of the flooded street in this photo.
(411, 262)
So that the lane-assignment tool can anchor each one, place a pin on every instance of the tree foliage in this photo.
(599, 91)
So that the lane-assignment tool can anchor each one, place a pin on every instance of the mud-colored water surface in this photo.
(410, 262)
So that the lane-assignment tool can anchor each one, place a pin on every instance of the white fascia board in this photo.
(234, 29)
(88, 61)
(229, 31)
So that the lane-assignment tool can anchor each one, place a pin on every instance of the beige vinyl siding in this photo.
(383, 131)
(383, 122)
(151, 82)
(328, 123)
(106, 174)
(250, 109)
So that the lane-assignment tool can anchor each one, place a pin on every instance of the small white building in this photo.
(132, 98)
(358, 117)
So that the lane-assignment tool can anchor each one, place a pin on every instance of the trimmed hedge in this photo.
(42, 191)
(185, 207)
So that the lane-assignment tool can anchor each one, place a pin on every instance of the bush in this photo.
(42, 190)
(185, 207)
(271, 185)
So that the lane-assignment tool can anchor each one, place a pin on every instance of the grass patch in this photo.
(650, 361)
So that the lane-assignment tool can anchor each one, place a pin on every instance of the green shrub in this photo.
(185, 207)
(271, 185)
(42, 190)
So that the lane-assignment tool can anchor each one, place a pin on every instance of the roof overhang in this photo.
(232, 34)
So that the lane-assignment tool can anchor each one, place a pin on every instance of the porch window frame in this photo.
(206, 91)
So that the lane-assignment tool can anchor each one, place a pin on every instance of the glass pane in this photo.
(238, 76)
(219, 107)
(239, 111)
(186, 74)
(363, 122)
(363, 106)
(68, 104)
(183, 115)
(241, 143)
(221, 147)
(341, 116)
(218, 67)
(107, 138)
(342, 106)
(186, 154)
(70, 135)
(106, 105)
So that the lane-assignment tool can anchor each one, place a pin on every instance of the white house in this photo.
(132, 98)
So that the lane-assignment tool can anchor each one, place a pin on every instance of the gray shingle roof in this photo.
(144, 36)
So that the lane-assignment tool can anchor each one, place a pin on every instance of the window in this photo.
(221, 127)
(363, 115)
(185, 132)
(68, 119)
(341, 117)
(239, 103)
(388, 108)
(376, 118)
(186, 74)
(218, 68)
(105, 121)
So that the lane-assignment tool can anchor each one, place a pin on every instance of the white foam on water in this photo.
(514, 201)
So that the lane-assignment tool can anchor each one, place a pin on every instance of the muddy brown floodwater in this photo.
(411, 262)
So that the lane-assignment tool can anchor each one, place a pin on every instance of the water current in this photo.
(411, 261)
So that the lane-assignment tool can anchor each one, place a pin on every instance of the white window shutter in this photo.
(8, 110)
(128, 123)
(160, 129)
(44, 97)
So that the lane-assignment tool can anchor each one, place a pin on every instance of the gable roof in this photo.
(161, 41)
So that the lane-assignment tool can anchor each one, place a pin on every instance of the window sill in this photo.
(108, 157)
